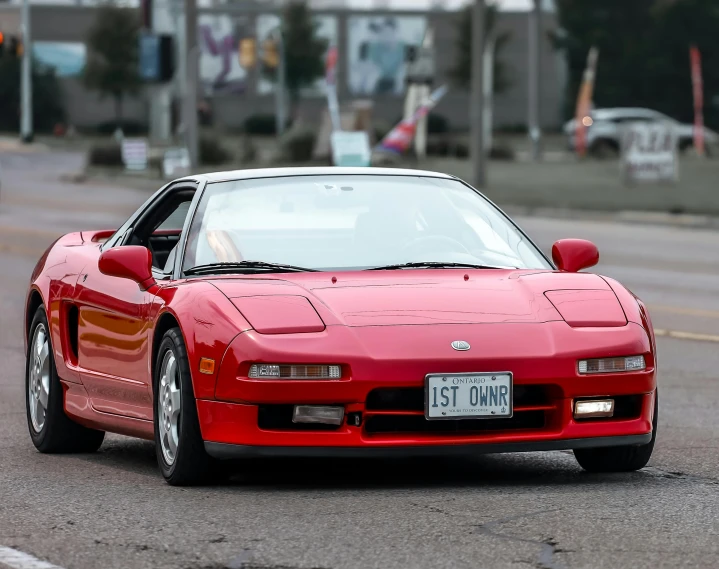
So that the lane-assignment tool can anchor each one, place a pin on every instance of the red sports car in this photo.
(333, 311)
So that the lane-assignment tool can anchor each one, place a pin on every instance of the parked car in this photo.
(604, 129)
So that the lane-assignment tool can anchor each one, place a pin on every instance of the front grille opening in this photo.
(279, 418)
(418, 424)
(412, 398)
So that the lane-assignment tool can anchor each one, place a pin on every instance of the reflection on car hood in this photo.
(415, 297)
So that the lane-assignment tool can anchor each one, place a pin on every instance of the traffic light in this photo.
(10, 46)
(15, 47)
(270, 54)
(247, 53)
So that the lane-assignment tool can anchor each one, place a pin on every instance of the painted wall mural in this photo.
(218, 38)
(67, 59)
(376, 52)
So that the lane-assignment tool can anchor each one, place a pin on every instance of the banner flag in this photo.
(399, 139)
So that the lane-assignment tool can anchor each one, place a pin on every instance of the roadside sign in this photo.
(134, 153)
(176, 163)
(650, 152)
(421, 67)
(351, 148)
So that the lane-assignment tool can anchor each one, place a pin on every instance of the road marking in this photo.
(686, 311)
(686, 335)
(18, 560)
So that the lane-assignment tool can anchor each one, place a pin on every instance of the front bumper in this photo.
(224, 451)
(253, 415)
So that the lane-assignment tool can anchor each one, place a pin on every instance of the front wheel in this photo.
(51, 430)
(622, 458)
(178, 443)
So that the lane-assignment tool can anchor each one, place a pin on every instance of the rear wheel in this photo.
(179, 446)
(621, 458)
(51, 430)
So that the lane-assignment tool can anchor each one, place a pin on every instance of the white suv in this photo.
(603, 132)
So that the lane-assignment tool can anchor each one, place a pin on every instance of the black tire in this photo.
(191, 465)
(58, 433)
(622, 458)
(604, 149)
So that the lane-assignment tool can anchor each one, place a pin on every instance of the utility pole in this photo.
(281, 113)
(191, 55)
(26, 133)
(476, 109)
(534, 124)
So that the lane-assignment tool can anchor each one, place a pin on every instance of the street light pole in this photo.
(476, 109)
(281, 117)
(191, 55)
(26, 133)
(535, 131)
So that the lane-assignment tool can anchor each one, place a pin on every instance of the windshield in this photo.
(346, 222)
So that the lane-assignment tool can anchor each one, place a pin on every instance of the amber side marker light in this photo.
(207, 366)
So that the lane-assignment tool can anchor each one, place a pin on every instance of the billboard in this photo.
(326, 29)
(218, 37)
(376, 52)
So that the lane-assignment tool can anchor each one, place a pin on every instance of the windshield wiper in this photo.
(246, 266)
(435, 265)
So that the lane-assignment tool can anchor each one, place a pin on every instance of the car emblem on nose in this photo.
(460, 345)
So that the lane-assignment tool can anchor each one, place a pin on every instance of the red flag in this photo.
(696, 63)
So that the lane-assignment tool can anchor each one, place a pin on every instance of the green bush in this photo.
(212, 152)
(129, 127)
(107, 154)
(298, 145)
(262, 124)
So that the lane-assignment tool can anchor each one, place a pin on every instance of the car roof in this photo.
(622, 111)
(254, 173)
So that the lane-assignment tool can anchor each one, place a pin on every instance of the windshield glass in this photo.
(353, 222)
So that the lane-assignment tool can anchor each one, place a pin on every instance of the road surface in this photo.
(113, 510)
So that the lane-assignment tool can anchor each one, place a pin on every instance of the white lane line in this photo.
(18, 560)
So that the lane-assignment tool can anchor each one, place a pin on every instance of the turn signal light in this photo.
(612, 365)
(283, 371)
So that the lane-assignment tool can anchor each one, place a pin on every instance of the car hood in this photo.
(305, 302)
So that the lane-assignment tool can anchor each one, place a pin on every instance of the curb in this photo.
(628, 217)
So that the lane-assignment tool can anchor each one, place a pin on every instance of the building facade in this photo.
(371, 66)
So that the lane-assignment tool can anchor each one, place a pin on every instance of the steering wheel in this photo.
(424, 243)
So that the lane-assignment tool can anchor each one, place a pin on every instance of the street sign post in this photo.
(351, 148)
(134, 153)
(176, 163)
(650, 153)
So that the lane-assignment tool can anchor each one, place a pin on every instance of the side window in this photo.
(176, 220)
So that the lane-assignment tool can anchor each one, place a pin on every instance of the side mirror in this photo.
(128, 262)
(573, 255)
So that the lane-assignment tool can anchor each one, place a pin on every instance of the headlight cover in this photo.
(611, 365)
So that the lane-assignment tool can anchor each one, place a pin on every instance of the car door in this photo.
(114, 339)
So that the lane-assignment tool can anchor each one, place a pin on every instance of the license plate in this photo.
(468, 395)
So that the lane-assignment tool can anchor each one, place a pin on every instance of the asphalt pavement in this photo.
(113, 510)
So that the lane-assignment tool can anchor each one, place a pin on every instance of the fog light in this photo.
(598, 408)
(318, 414)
